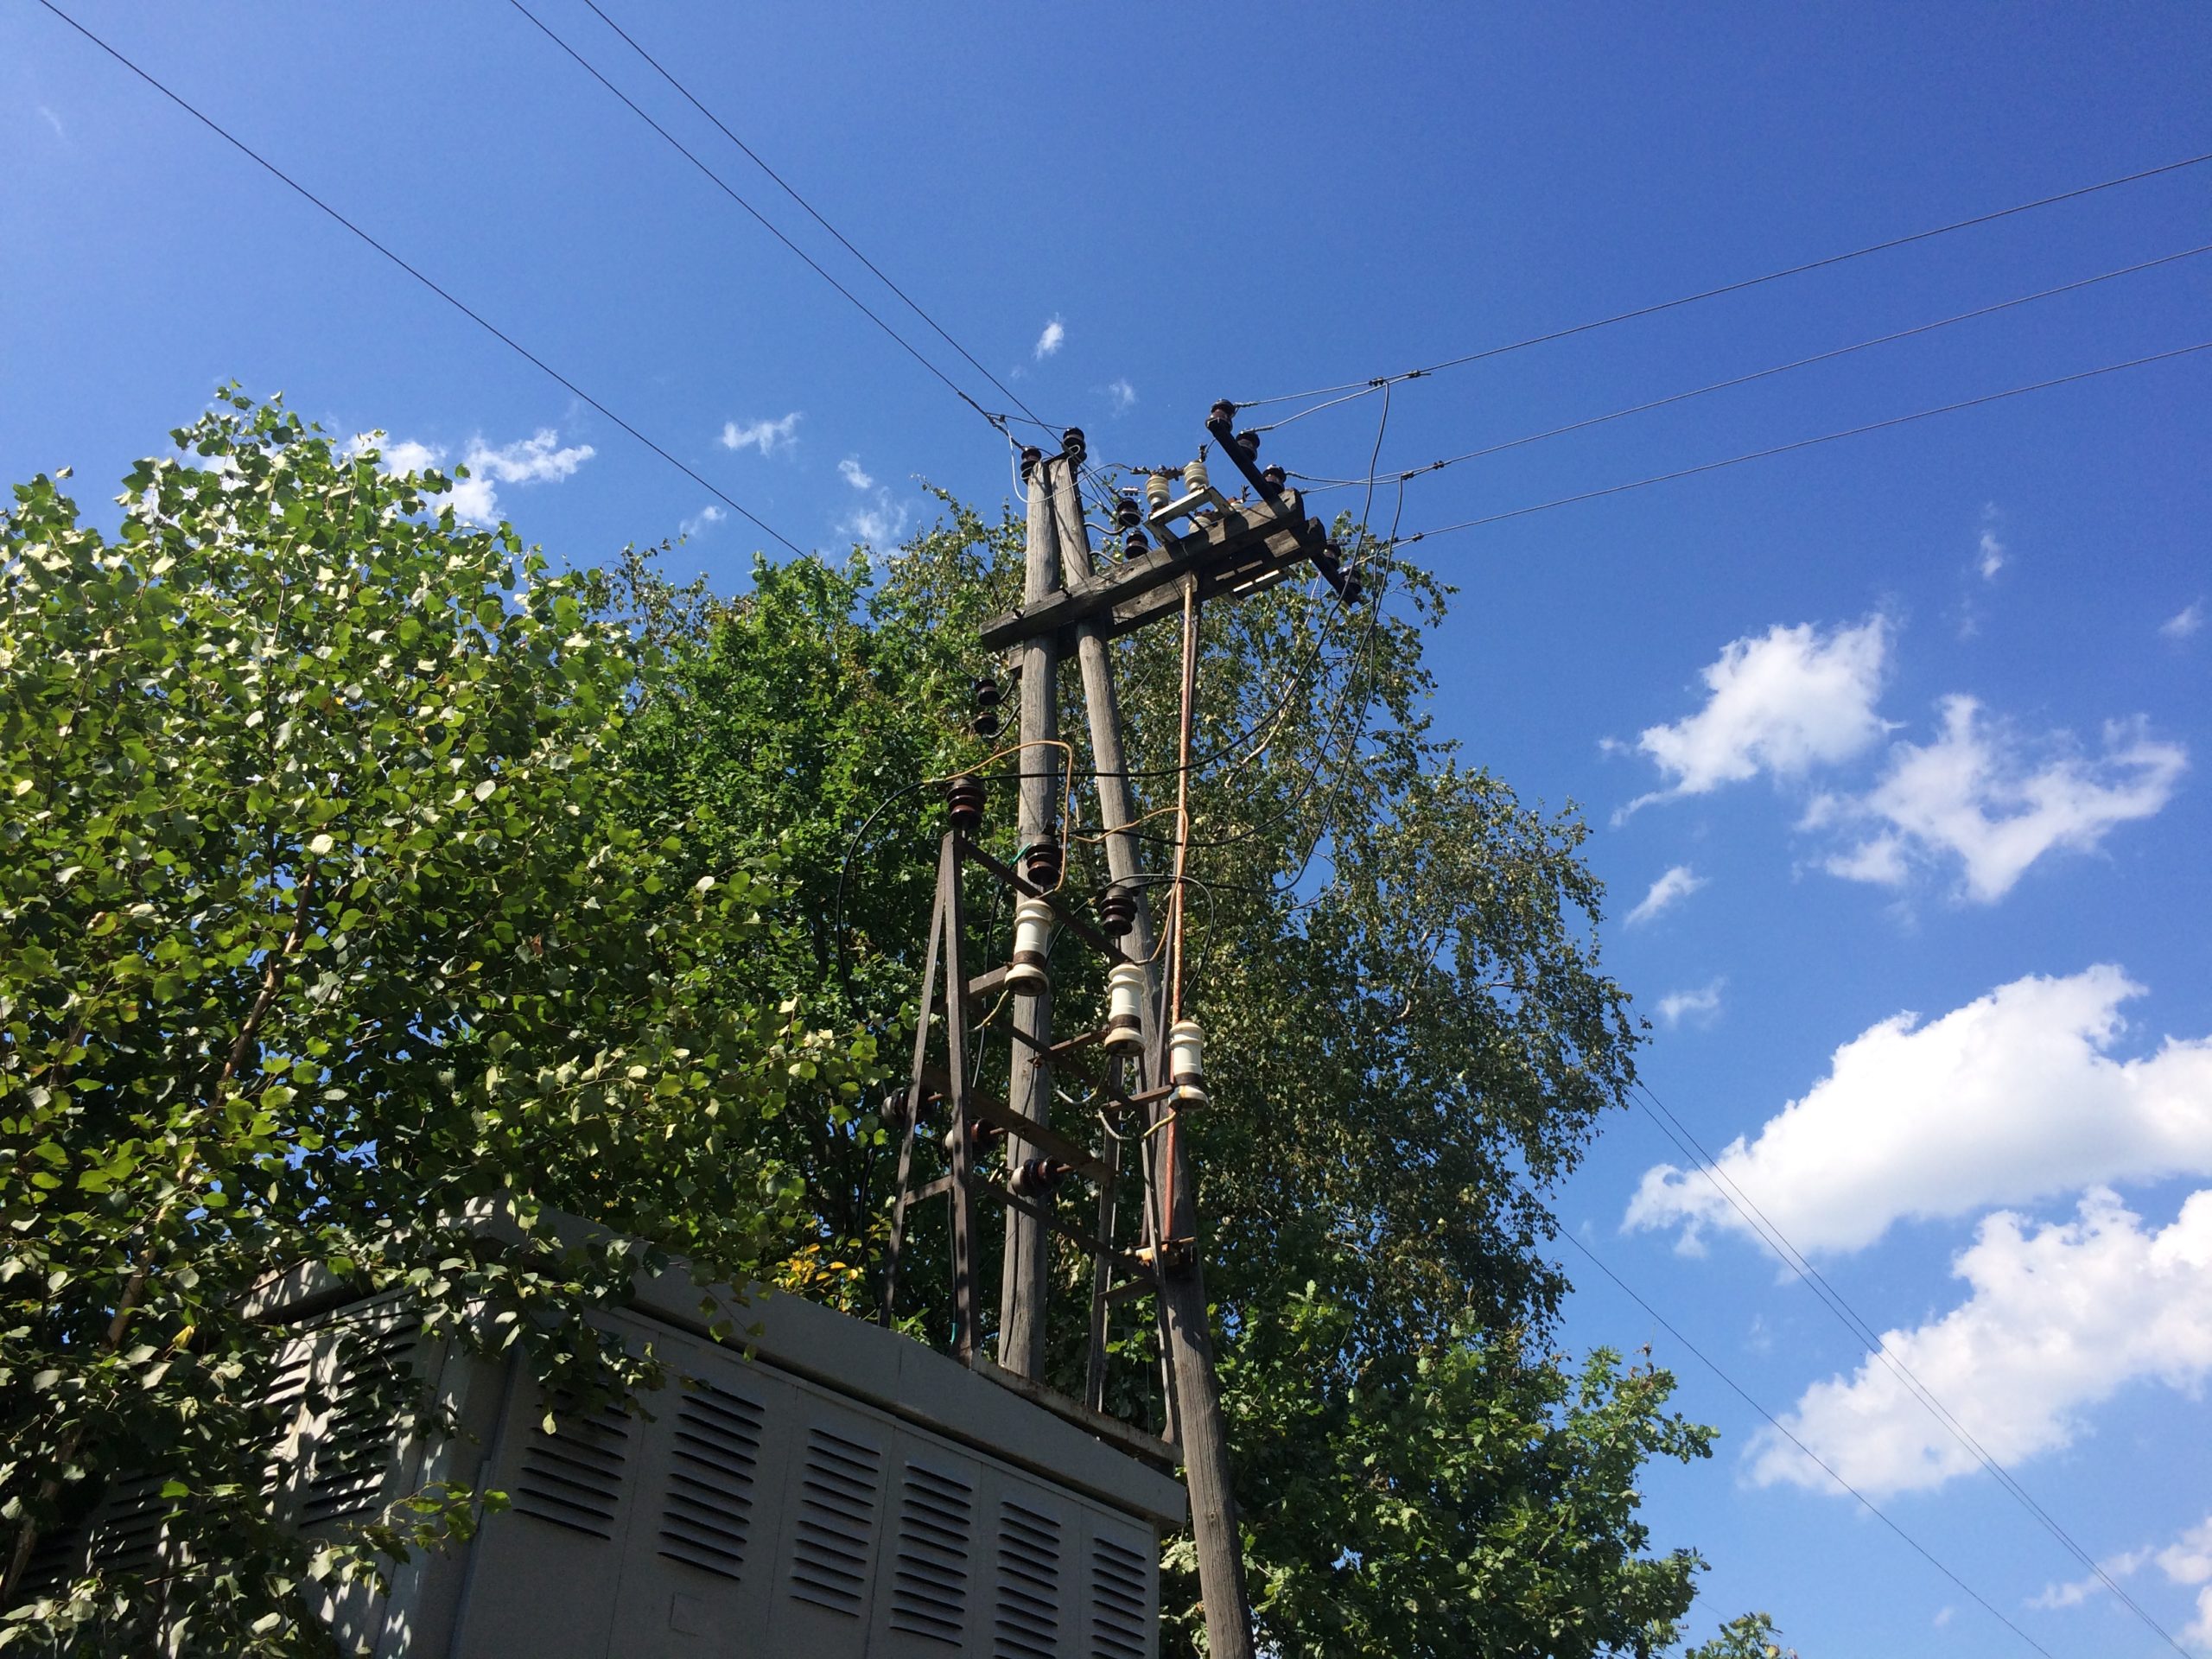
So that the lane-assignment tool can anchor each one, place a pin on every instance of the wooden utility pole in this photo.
(1226, 549)
(1028, 1256)
(1200, 1427)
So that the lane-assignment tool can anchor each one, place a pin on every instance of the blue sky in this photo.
(1921, 718)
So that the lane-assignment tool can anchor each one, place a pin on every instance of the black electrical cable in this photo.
(1321, 486)
(1772, 1236)
(504, 338)
(1379, 381)
(1807, 444)
(753, 156)
(727, 190)
(1872, 1508)
(997, 420)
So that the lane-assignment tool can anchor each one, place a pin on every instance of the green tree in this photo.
(1411, 1039)
(324, 912)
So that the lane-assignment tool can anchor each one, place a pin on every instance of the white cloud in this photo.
(1123, 395)
(1973, 794)
(849, 470)
(1052, 340)
(2186, 1561)
(878, 525)
(1702, 1005)
(1781, 702)
(2060, 1318)
(1676, 885)
(538, 459)
(709, 514)
(51, 120)
(2013, 1097)
(1989, 557)
(766, 437)
(2183, 622)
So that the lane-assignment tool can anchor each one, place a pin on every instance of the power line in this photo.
(1806, 443)
(1779, 1427)
(996, 420)
(752, 155)
(1736, 287)
(475, 317)
(1772, 1236)
(1323, 485)
(727, 190)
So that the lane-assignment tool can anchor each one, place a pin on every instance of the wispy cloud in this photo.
(1978, 794)
(766, 437)
(1702, 1005)
(1670, 889)
(2182, 623)
(539, 459)
(709, 514)
(1778, 702)
(1052, 340)
(849, 470)
(1121, 394)
(1990, 555)
(51, 120)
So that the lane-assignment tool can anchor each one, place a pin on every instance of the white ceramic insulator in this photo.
(1186, 1063)
(1194, 477)
(1125, 989)
(1033, 938)
(1158, 490)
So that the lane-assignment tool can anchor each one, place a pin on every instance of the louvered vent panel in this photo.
(1028, 1624)
(127, 1537)
(929, 1585)
(1118, 1585)
(353, 1453)
(837, 1522)
(574, 1478)
(707, 1513)
(288, 1388)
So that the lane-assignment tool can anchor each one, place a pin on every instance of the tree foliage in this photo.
(325, 912)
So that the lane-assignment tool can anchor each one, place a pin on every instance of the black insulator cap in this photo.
(1040, 861)
(1117, 911)
(1035, 1178)
(1072, 446)
(1274, 478)
(1133, 544)
(1031, 455)
(1223, 412)
(987, 725)
(964, 796)
(988, 694)
(1126, 513)
(1353, 588)
(1249, 442)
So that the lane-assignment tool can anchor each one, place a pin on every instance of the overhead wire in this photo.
(1361, 387)
(782, 184)
(1323, 485)
(1771, 1234)
(474, 317)
(1781, 1429)
(1806, 443)
(997, 419)
(766, 223)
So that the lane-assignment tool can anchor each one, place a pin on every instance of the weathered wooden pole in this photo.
(1200, 1429)
(1021, 1295)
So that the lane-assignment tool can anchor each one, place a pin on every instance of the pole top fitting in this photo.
(1031, 455)
(1274, 478)
(1223, 412)
(1072, 446)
